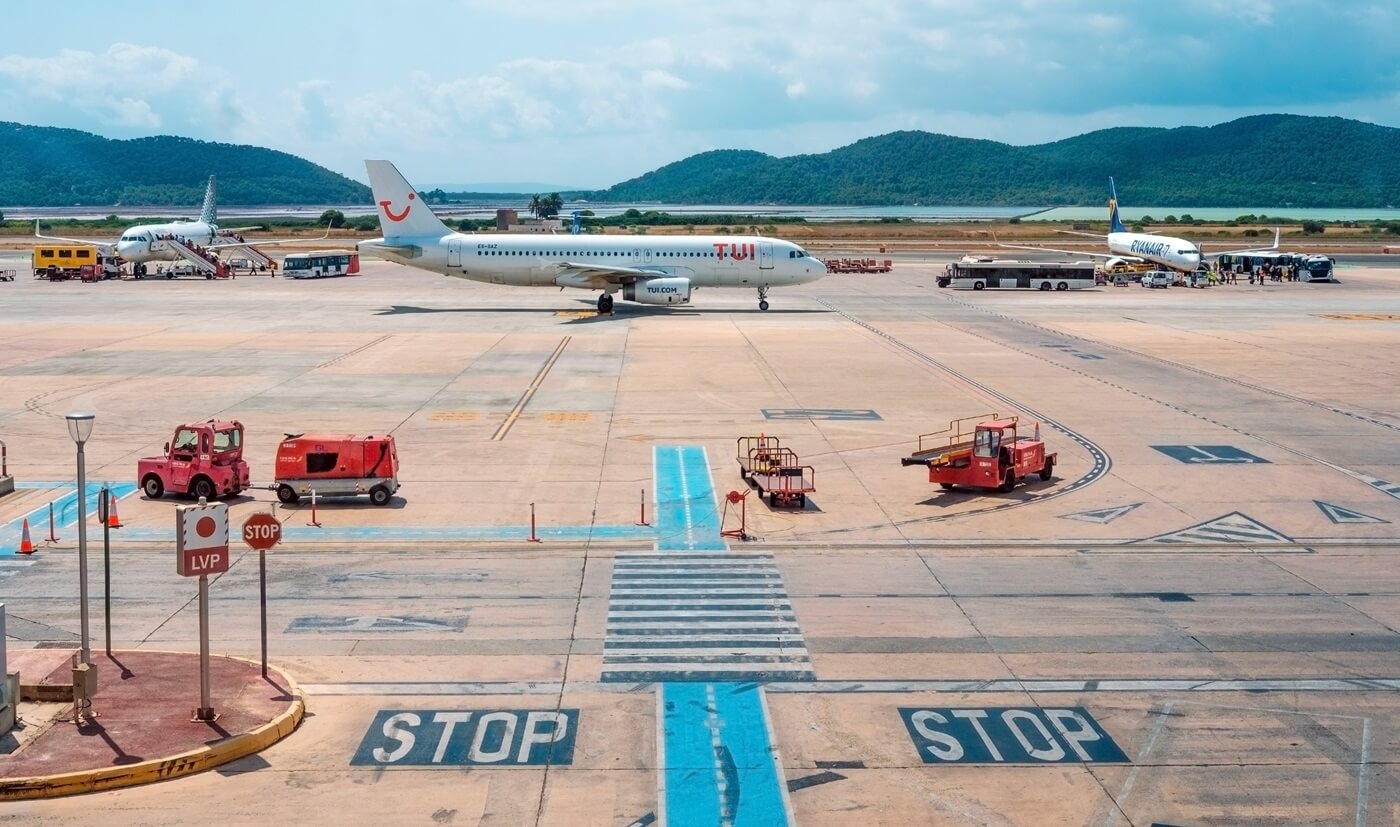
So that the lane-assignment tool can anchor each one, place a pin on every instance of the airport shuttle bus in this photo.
(320, 264)
(979, 274)
(1310, 268)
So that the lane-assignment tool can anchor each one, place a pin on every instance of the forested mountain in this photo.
(48, 167)
(1264, 161)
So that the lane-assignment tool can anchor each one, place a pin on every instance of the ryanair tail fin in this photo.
(1115, 224)
(209, 212)
(402, 212)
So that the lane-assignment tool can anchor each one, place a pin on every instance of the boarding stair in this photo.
(204, 262)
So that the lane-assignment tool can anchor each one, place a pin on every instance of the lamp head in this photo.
(80, 425)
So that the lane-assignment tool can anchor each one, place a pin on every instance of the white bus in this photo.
(321, 263)
(980, 273)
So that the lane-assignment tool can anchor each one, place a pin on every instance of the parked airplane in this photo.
(1124, 245)
(161, 242)
(648, 270)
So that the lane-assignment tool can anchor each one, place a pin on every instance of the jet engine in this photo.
(658, 291)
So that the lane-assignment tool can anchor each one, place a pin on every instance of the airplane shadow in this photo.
(619, 311)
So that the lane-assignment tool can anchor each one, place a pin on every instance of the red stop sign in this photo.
(262, 531)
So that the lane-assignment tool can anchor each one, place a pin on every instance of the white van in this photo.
(1158, 278)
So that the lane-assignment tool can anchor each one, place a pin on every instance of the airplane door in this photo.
(765, 255)
(646, 256)
(454, 253)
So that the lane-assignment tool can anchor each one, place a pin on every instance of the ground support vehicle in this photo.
(982, 452)
(858, 265)
(1158, 278)
(7, 275)
(776, 471)
(320, 264)
(337, 465)
(61, 263)
(981, 273)
(203, 459)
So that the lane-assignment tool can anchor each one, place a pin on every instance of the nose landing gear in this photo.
(763, 297)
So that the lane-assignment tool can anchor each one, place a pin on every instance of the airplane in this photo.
(152, 242)
(1126, 246)
(661, 270)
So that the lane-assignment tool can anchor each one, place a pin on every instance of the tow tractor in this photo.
(203, 459)
(982, 452)
(776, 471)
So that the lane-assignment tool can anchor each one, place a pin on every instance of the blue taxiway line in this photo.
(718, 763)
(294, 531)
(65, 511)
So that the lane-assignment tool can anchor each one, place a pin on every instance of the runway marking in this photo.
(1231, 528)
(65, 509)
(1075, 686)
(1361, 317)
(1102, 516)
(1339, 515)
(454, 416)
(529, 391)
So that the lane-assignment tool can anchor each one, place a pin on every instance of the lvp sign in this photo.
(468, 737)
(201, 539)
(1009, 735)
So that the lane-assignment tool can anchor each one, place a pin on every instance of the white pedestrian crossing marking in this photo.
(677, 616)
(1231, 528)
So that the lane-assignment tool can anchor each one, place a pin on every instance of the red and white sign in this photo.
(262, 531)
(201, 539)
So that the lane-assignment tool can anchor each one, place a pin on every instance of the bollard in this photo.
(643, 521)
(533, 537)
(53, 536)
(314, 522)
(4, 463)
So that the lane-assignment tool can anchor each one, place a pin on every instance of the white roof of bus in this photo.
(322, 253)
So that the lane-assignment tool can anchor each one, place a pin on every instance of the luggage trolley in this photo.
(776, 471)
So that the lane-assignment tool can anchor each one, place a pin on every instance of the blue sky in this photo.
(591, 92)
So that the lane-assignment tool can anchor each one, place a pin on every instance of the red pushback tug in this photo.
(337, 466)
(982, 452)
(775, 471)
(203, 459)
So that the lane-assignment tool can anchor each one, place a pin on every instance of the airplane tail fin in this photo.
(402, 212)
(209, 212)
(1115, 224)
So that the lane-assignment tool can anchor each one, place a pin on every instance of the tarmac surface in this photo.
(1194, 622)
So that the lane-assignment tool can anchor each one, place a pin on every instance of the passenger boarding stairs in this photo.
(204, 263)
(248, 251)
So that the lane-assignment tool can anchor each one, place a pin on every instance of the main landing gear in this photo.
(605, 303)
(763, 297)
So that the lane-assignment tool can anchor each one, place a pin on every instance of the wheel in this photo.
(605, 303)
(153, 487)
(978, 285)
(1047, 471)
(763, 304)
(287, 494)
(202, 487)
(1008, 482)
(946, 486)
(1045, 285)
(1062, 286)
(379, 495)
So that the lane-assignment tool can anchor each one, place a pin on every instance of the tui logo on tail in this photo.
(399, 216)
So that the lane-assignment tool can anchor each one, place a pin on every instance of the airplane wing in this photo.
(261, 243)
(107, 246)
(1271, 249)
(598, 276)
(1116, 256)
(1086, 235)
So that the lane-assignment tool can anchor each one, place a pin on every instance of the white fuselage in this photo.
(1173, 253)
(146, 242)
(563, 260)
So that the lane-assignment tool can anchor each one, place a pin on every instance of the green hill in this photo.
(1259, 161)
(48, 167)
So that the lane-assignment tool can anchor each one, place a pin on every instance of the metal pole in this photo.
(86, 651)
(262, 603)
(206, 710)
(107, 575)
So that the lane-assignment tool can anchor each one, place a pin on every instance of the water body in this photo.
(817, 213)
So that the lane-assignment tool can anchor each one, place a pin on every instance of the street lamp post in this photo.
(80, 428)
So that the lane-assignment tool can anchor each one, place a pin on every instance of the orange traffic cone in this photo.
(113, 521)
(26, 546)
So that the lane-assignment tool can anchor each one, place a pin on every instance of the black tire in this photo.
(946, 486)
(979, 285)
(1048, 470)
(605, 303)
(153, 487)
(1045, 285)
(1062, 286)
(203, 487)
(763, 305)
(379, 495)
(1008, 482)
(286, 494)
